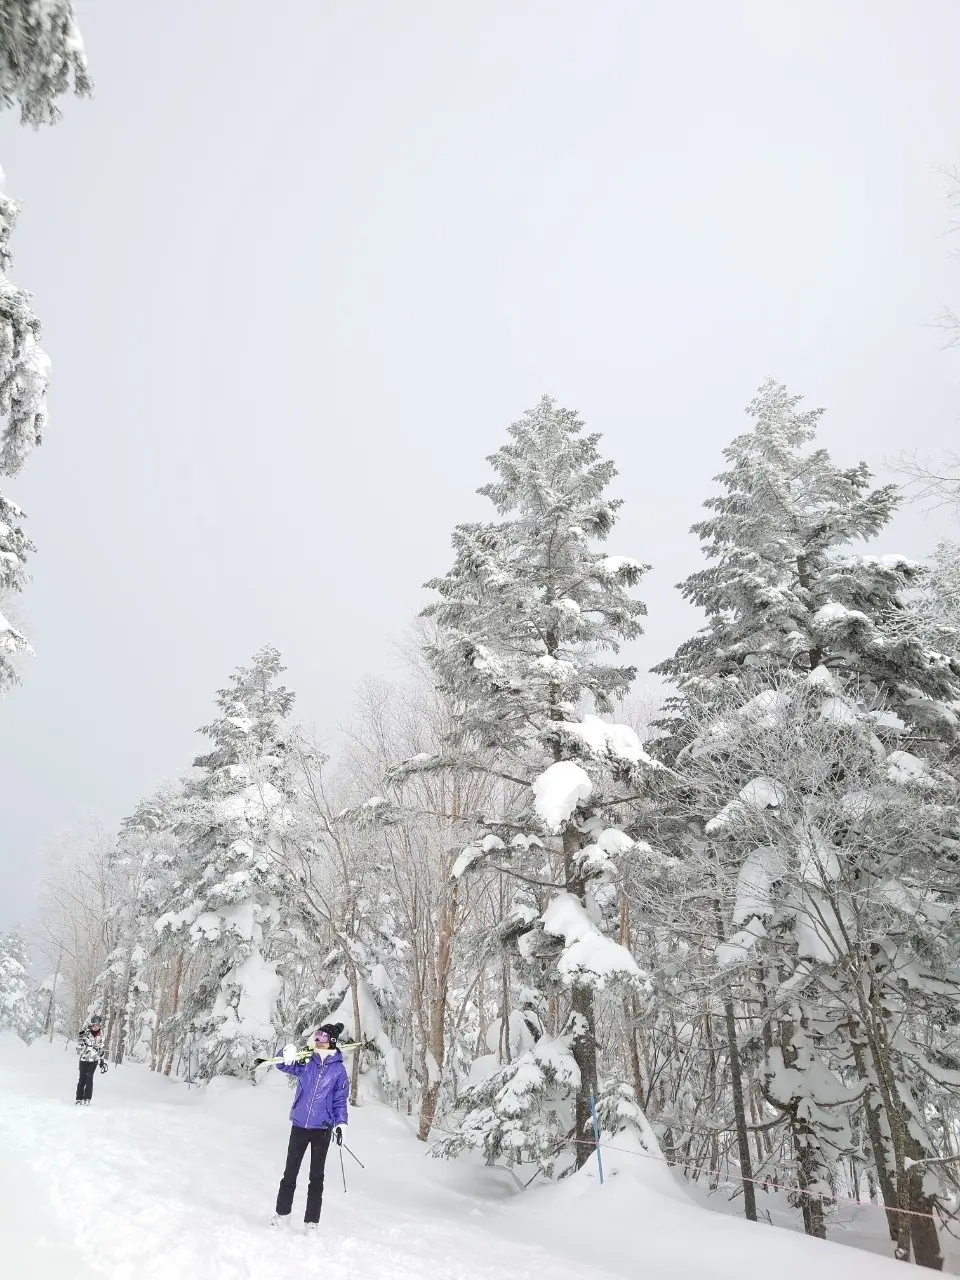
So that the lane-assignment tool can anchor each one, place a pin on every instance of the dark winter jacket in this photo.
(90, 1047)
(322, 1089)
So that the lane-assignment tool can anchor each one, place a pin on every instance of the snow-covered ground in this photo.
(157, 1181)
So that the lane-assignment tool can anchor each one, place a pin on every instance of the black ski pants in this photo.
(318, 1140)
(85, 1083)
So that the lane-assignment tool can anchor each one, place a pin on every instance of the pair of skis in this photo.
(303, 1056)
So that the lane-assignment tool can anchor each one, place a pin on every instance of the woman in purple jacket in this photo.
(318, 1111)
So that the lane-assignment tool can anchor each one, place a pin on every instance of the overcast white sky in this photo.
(301, 264)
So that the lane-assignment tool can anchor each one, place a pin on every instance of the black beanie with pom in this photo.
(334, 1030)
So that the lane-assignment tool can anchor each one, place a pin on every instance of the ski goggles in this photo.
(321, 1038)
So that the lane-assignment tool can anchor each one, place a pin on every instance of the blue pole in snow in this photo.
(596, 1136)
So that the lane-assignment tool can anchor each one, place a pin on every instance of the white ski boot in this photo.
(311, 1228)
(280, 1220)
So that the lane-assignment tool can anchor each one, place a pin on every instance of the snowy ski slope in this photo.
(158, 1182)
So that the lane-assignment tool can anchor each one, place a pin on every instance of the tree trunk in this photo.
(175, 1005)
(53, 994)
(125, 1020)
(736, 1089)
(428, 1108)
(740, 1115)
(481, 1013)
(438, 1014)
(108, 1013)
(871, 1112)
(582, 1009)
(870, 1064)
(632, 1010)
(355, 1073)
(923, 1227)
(948, 1147)
(758, 1134)
(633, 1049)
(585, 1056)
(806, 1144)
(811, 1203)
(506, 1053)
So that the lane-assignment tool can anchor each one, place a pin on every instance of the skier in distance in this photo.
(318, 1111)
(91, 1052)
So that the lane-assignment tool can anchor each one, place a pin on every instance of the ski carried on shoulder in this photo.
(303, 1056)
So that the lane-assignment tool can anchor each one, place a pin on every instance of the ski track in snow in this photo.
(157, 1182)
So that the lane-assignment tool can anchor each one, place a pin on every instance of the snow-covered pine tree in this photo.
(23, 385)
(14, 549)
(24, 368)
(22, 1008)
(784, 590)
(525, 621)
(847, 929)
(939, 600)
(228, 895)
(765, 854)
(786, 600)
(41, 55)
(520, 1111)
(620, 1117)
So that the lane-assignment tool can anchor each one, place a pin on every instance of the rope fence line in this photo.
(766, 1183)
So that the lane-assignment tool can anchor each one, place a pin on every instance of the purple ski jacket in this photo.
(322, 1090)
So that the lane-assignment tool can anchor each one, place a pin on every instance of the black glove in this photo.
(339, 1133)
(103, 1066)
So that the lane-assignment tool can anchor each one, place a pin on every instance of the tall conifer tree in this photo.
(529, 621)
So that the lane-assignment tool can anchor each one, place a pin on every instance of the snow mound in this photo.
(758, 794)
(737, 949)
(558, 791)
(613, 566)
(906, 769)
(589, 958)
(761, 868)
(465, 861)
(601, 738)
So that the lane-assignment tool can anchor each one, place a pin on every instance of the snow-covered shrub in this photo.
(22, 1008)
(521, 1113)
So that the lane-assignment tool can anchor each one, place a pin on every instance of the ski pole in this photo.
(343, 1173)
(343, 1148)
(596, 1136)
